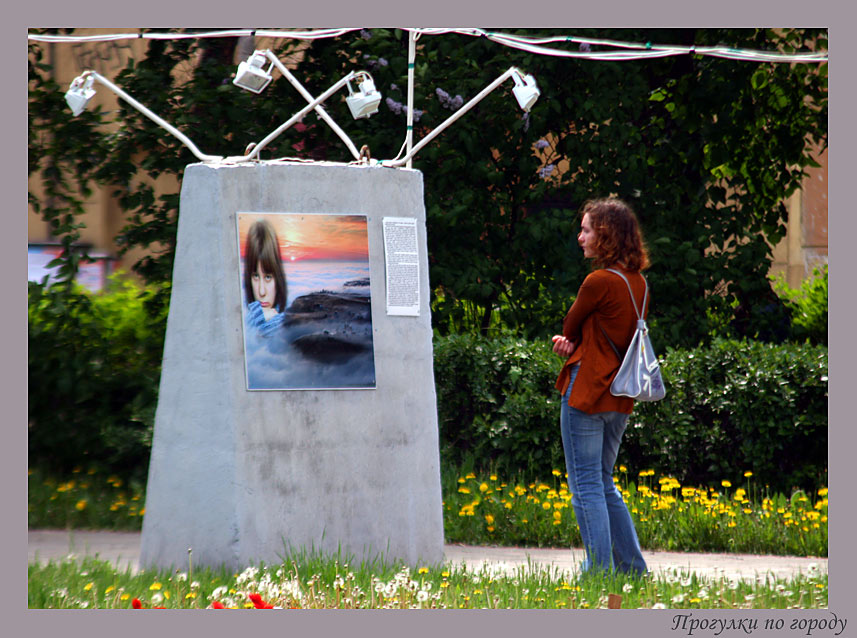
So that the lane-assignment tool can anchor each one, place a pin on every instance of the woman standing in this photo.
(592, 420)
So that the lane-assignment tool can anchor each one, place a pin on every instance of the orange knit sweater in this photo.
(602, 302)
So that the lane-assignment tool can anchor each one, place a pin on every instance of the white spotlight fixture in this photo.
(363, 102)
(250, 74)
(525, 90)
(79, 93)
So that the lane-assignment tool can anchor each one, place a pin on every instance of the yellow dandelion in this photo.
(109, 589)
(490, 528)
(167, 594)
(556, 472)
(80, 505)
(483, 487)
(822, 491)
(88, 586)
(493, 477)
(423, 570)
(726, 483)
(462, 480)
(464, 490)
(190, 595)
(124, 596)
(489, 519)
(155, 586)
(546, 505)
(748, 474)
(471, 475)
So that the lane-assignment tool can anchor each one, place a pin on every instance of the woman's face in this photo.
(586, 237)
(264, 288)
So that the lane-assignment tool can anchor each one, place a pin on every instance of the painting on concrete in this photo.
(306, 301)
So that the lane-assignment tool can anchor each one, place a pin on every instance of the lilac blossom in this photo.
(365, 34)
(453, 104)
(546, 171)
(542, 144)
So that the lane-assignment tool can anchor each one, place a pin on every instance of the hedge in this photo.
(731, 407)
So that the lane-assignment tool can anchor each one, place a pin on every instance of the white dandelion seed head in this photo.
(422, 596)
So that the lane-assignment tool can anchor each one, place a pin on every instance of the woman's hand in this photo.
(562, 346)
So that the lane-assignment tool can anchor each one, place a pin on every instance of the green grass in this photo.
(306, 581)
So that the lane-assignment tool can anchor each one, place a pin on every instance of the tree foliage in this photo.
(705, 149)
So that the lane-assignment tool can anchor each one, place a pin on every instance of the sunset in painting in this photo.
(317, 237)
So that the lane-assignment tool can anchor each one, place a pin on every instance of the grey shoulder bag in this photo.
(639, 376)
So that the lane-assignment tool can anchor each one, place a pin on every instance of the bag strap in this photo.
(633, 299)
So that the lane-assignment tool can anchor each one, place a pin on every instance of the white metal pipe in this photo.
(159, 121)
(309, 98)
(412, 55)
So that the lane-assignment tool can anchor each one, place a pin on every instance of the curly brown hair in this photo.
(618, 238)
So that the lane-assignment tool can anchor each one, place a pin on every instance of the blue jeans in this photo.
(591, 444)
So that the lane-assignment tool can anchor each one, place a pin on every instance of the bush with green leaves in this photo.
(496, 402)
(737, 406)
(731, 407)
(94, 366)
(808, 306)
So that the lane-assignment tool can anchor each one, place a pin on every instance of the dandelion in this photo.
(80, 505)
(726, 483)
(155, 586)
(88, 586)
(157, 598)
(748, 474)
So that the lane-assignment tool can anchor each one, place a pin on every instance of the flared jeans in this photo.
(591, 444)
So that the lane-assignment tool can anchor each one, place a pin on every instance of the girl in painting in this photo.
(264, 279)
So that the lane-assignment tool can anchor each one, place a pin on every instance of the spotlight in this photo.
(250, 74)
(525, 90)
(79, 93)
(363, 102)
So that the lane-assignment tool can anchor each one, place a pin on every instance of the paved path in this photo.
(123, 549)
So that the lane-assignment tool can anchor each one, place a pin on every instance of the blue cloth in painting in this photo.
(256, 319)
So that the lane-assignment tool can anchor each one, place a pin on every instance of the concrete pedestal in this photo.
(240, 476)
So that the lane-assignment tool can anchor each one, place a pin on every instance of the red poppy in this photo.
(136, 604)
(258, 603)
(217, 605)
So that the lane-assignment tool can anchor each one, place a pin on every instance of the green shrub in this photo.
(808, 306)
(94, 366)
(496, 402)
(731, 407)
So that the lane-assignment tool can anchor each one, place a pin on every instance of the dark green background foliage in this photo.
(94, 363)
(706, 149)
(731, 407)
